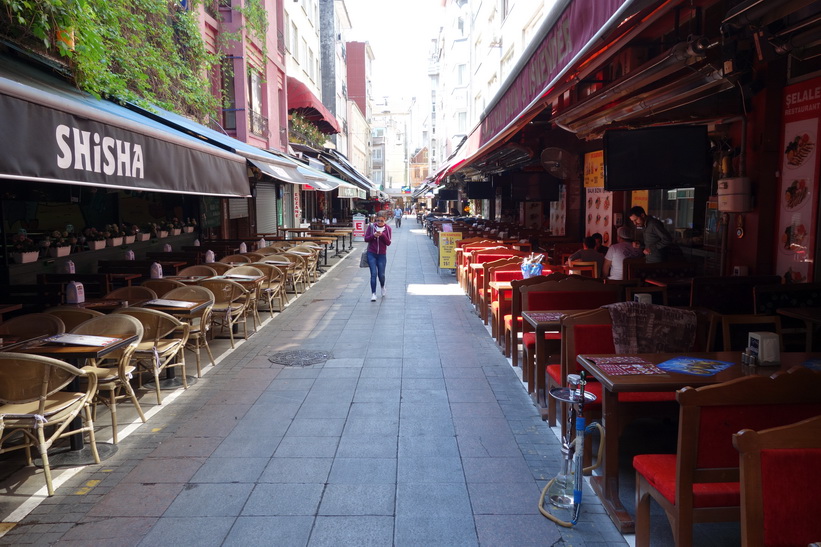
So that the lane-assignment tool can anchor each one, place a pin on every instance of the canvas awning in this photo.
(301, 98)
(63, 135)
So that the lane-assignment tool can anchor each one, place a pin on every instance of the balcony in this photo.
(258, 124)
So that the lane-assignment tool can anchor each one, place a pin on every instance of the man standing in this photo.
(657, 240)
(397, 216)
(614, 259)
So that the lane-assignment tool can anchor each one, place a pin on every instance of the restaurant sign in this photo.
(798, 197)
(447, 249)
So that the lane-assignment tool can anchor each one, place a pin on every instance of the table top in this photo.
(671, 381)
(670, 281)
(806, 314)
(500, 285)
(188, 279)
(190, 308)
(75, 353)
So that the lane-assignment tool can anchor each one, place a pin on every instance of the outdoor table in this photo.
(126, 277)
(104, 305)
(188, 279)
(606, 485)
(811, 317)
(8, 308)
(179, 308)
(76, 356)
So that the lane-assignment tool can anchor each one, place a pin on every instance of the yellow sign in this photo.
(641, 198)
(447, 249)
(594, 169)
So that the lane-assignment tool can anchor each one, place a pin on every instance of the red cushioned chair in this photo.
(700, 482)
(780, 484)
(484, 293)
(478, 286)
(513, 322)
(500, 301)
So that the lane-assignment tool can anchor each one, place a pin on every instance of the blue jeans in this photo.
(376, 263)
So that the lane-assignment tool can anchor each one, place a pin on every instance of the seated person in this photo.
(588, 254)
(599, 247)
(614, 259)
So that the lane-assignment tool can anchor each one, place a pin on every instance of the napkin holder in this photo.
(764, 347)
(66, 267)
(643, 297)
(196, 243)
(243, 248)
(75, 293)
(209, 257)
(156, 271)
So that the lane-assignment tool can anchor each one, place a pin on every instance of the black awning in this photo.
(53, 132)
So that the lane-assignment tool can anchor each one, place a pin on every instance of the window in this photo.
(229, 104)
(461, 74)
(376, 177)
(294, 42)
(378, 132)
(460, 26)
(376, 154)
(258, 123)
(303, 54)
(462, 122)
(287, 27)
(311, 65)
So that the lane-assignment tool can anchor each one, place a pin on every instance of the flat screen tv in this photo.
(448, 195)
(481, 190)
(657, 158)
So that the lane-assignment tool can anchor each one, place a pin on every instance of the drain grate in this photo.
(299, 358)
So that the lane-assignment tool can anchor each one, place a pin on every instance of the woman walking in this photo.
(378, 236)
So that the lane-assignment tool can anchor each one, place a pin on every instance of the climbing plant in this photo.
(302, 131)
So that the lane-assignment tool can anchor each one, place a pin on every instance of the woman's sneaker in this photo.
(373, 297)
(384, 292)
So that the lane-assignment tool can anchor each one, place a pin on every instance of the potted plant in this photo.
(60, 243)
(146, 230)
(114, 238)
(95, 239)
(24, 249)
(189, 225)
(129, 232)
(161, 230)
(175, 226)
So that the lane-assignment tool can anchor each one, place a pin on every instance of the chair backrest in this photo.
(244, 270)
(32, 325)
(220, 267)
(225, 291)
(234, 258)
(191, 293)
(253, 256)
(571, 293)
(585, 268)
(587, 332)
(161, 286)
(26, 378)
(71, 316)
(133, 293)
(156, 324)
(271, 272)
(734, 329)
(709, 415)
(727, 294)
(115, 324)
(780, 484)
(200, 269)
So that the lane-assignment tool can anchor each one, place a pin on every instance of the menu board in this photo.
(798, 196)
(599, 203)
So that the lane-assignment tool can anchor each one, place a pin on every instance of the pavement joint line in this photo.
(38, 497)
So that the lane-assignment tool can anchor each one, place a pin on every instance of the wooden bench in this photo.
(767, 299)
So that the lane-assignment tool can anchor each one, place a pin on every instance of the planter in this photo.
(143, 236)
(114, 241)
(96, 245)
(187, 229)
(175, 231)
(162, 233)
(128, 240)
(25, 258)
(57, 252)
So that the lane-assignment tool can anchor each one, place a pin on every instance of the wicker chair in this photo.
(234, 258)
(71, 316)
(220, 267)
(200, 269)
(135, 293)
(230, 303)
(199, 326)
(273, 288)
(33, 325)
(254, 293)
(161, 286)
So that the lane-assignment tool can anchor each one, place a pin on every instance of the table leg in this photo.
(606, 485)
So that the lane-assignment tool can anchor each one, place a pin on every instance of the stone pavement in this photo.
(415, 430)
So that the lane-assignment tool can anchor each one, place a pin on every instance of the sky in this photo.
(399, 32)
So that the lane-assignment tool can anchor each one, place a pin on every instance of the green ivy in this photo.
(302, 131)
(147, 51)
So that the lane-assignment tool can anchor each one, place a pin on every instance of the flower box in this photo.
(128, 240)
(25, 258)
(57, 252)
(96, 245)
(114, 241)
(143, 236)
(162, 233)
(187, 229)
(175, 231)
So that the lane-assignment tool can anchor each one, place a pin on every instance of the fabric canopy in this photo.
(55, 133)
(300, 98)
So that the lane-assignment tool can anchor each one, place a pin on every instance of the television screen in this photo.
(533, 187)
(448, 195)
(481, 190)
(657, 158)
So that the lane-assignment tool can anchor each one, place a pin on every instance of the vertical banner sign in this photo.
(599, 210)
(558, 212)
(359, 225)
(447, 249)
(297, 205)
(798, 197)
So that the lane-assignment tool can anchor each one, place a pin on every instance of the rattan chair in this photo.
(273, 288)
(253, 256)
(300, 270)
(71, 316)
(162, 346)
(136, 293)
(199, 269)
(199, 326)
(33, 402)
(32, 325)
(234, 258)
(230, 303)
(254, 293)
(161, 286)
(114, 371)
(220, 267)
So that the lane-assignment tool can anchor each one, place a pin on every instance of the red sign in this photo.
(358, 226)
(798, 197)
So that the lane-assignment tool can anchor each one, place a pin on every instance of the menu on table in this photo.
(171, 303)
(694, 366)
(623, 365)
(81, 340)
(548, 316)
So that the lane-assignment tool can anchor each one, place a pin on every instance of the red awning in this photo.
(300, 98)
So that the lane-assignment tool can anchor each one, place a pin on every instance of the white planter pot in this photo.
(96, 245)
(162, 233)
(128, 240)
(57, 252)
(25, 258)
(187, 229)
(114, 241)
(143, 236)
(175, 231)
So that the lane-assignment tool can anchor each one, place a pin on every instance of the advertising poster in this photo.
(557, 213)
(447, 249)
(798, 195)
(599, 203)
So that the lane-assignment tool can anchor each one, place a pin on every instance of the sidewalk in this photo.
(411, 430)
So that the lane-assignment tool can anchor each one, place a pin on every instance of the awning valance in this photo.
(301, 98)
(55, 133)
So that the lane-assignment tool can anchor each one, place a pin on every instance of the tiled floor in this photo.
(415, 432)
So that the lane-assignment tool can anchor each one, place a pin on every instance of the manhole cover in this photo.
(299, 358)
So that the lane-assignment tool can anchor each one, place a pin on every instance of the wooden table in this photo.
(811, 318)
(188, 279)
(187, 311)
(75, 355)
(606, 485)
(8, 308)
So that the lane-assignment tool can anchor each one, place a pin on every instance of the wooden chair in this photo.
(476, 280)
(700, 482)
(200, 269)
(500, 303)
(33, 402)
(483, 292)
(584, 268)
(136, 293)
(71, 316)
(780, 484)
(734, 329)
(161, 286)
(199, 326)
(162, 346)
(114, 372)
(513, 322)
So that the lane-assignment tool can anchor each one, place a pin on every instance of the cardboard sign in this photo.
(447, 249)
